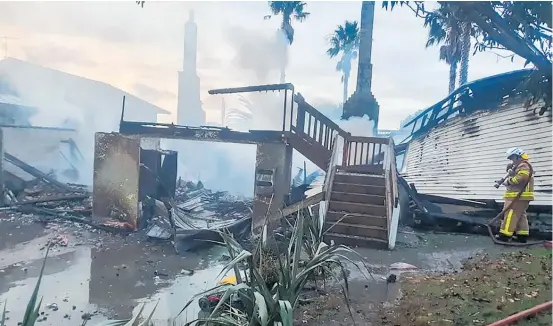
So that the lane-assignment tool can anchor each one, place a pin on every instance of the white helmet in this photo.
(514, 151)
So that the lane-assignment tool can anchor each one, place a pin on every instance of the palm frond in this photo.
(31, 312)
(3, 317)
(345, 39)
(290, 10)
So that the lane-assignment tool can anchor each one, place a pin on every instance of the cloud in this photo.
(152, 94)
(125, 45)
(56, 55)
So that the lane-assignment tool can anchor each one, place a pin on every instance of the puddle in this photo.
(113, 280)
(108, 283)
(174, 298)
(64, 282)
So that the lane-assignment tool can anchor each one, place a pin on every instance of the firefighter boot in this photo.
(520, 238)
(502, 238)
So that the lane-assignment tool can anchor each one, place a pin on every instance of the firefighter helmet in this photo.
(514, 151)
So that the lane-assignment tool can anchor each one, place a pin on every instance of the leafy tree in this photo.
(289, 10)
(345, 40)
(521, 27)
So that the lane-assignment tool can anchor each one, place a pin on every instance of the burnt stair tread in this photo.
(358, 184)
(358, 174)
(354, 239)
(355, 193)
(359, 226)
(353, 203)
(356, 214)
(356, 218)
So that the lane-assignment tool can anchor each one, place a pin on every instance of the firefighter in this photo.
(515, 222)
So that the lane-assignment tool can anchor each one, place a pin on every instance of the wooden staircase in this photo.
(360, 188)
(357, 212)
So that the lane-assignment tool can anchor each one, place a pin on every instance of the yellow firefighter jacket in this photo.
(517, 182)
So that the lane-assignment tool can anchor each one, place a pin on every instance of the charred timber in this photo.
(162, 130)
(251, 89)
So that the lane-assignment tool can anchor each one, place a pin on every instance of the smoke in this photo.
(258, 59)
(59, 100)
(357, 126)
(257, 52)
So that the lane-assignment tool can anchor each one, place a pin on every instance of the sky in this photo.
(140, 50)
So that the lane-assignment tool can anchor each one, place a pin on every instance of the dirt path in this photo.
(486, 290)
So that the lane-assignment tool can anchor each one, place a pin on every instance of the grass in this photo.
(486, 290)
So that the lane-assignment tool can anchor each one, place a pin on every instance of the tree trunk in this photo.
(452, 76)
(364, 65)
(346, 81)
(465, 51)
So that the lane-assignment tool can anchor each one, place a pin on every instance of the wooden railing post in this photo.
(345, 157)
(300, 118)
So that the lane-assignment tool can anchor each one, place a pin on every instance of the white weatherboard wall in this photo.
(39, 147)
(465, 155)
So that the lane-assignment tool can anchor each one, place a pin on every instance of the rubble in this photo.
(196, 212)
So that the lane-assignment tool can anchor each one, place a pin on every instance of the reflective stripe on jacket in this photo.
(518, 180)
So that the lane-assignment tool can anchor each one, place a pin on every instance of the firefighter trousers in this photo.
(515, 220)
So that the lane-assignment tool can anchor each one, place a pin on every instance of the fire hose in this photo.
(523, 314)
(507, 208)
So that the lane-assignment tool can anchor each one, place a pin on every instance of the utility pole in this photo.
(5, 43)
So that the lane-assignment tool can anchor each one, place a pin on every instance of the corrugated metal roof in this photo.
(462, 157)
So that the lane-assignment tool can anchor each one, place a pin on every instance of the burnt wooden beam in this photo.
(250, 89)
(213, 134)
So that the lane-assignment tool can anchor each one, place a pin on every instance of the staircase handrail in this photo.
(393, 171)
(330, 172)
(392, 194)
(298, 98)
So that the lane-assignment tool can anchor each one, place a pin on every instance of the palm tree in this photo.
(445, 29)
(465, 49)
(364, 64)
(345, 40)
(290, 10)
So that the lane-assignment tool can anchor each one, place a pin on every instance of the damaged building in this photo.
(49, 117)
(455, 150)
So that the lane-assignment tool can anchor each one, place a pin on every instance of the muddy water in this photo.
(106, 281)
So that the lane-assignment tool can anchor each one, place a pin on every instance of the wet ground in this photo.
(103, 275)
(429, 252)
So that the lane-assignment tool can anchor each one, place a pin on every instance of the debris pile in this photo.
(196, 212)
(201, 202)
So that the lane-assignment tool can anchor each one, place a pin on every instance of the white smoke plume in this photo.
(258, 59)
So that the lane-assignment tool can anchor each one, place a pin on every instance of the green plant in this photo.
(264, 305)
(3, 318)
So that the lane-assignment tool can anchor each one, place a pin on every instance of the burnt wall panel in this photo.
(116, 175)
(168, 175)
(272, 183)
(462, 157)
(149, 173)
